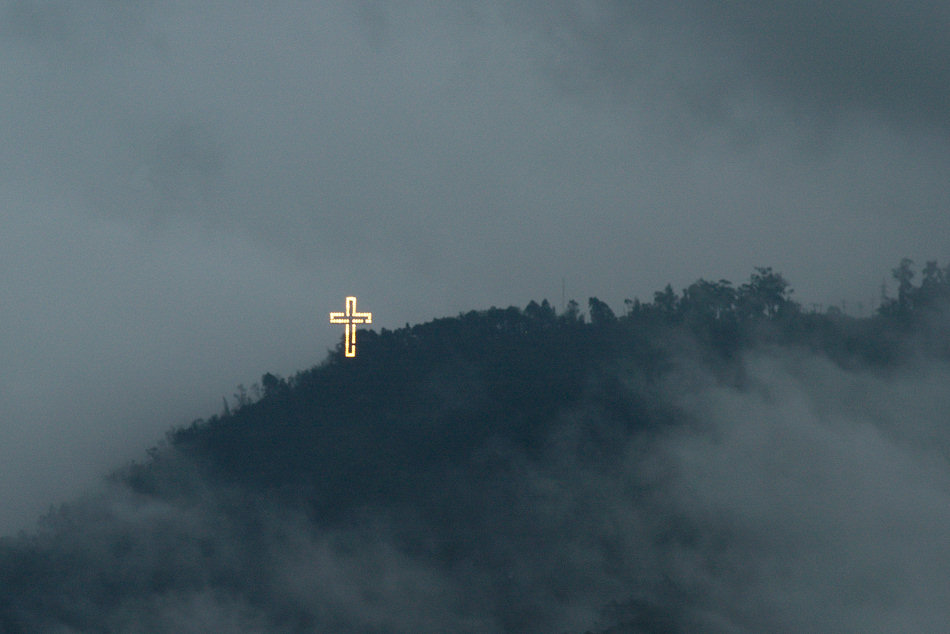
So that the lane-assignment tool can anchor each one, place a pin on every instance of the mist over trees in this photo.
(530, 470)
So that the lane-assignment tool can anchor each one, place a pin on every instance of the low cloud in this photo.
(817, 497)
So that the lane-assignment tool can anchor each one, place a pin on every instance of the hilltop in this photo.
(516, 470)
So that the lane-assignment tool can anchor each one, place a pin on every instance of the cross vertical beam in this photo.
(350, 318)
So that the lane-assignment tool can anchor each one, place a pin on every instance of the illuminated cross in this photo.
(351, 318)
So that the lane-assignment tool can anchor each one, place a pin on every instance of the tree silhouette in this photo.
(600, 313)
(766, 294)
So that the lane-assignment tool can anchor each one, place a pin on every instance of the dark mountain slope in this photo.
(510, 471)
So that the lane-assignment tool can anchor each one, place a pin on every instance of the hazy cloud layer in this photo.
(829, 490)
(828, 60)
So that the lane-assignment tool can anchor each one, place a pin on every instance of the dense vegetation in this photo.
(419, 399)
(433, 431)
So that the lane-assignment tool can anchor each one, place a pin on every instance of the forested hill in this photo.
(422, 399)
(506, 470)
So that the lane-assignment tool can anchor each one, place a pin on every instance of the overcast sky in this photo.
(187, 189)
